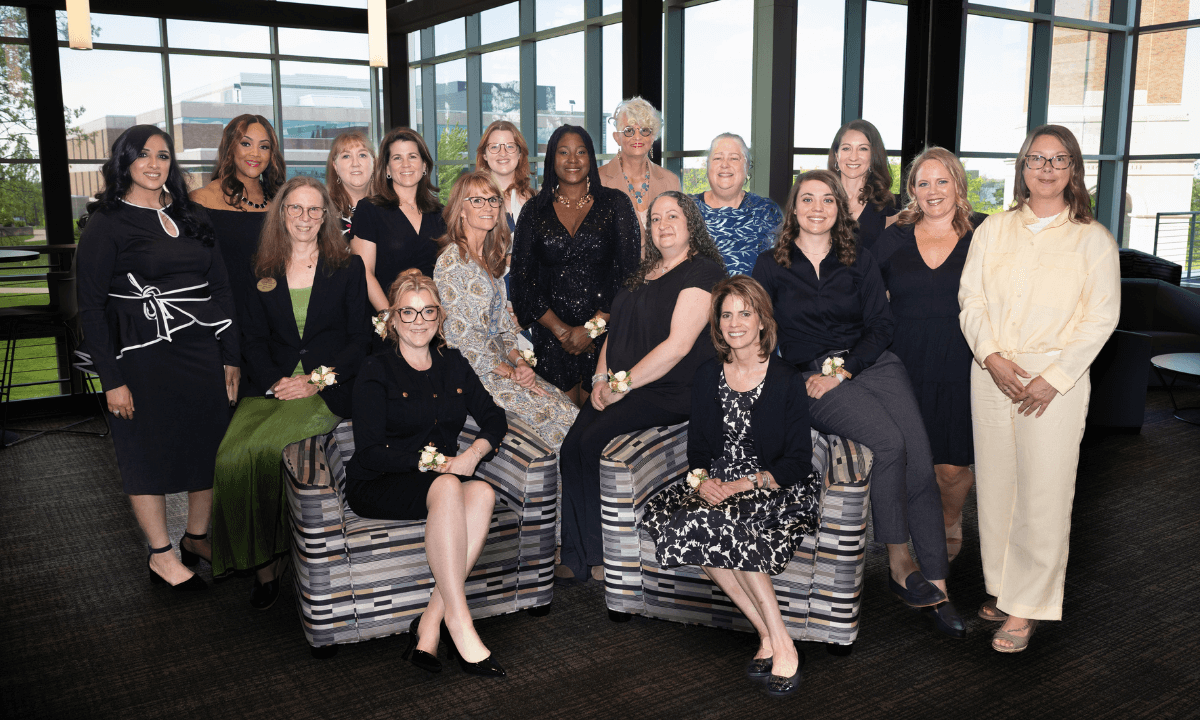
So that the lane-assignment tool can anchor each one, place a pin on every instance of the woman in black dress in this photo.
(158, 323)
(407, 398)
(750, 433)
(921, 260)
(397, 228)
(858, 157)
(574, 247)
(657, 340)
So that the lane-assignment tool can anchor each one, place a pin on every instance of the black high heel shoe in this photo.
(487, 667)
(192, 584)
(427, 662)
(187, 557)
(264, 594)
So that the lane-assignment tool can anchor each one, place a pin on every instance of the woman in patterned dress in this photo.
(741, 223)
(468, 275)
(750, 433)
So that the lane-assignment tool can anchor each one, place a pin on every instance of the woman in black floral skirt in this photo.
(750, 434)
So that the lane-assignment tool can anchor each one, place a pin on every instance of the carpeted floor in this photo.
(84, 634)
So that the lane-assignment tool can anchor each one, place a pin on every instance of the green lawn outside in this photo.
(35, 359)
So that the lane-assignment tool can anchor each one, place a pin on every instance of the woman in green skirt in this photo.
(305, 331)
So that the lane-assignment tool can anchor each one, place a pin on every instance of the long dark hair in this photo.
(700, 242)
(174, 193)
(877, 186)
(1075, 193)
(841, 236)
(550, 175)
(275, 244)
(273, 174)
(385, 195)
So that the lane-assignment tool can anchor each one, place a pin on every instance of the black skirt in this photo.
(394, 496)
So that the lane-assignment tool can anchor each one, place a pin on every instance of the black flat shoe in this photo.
(192, 584)
(187, 557)
(264, 595)
(946, 620)
(759, 668)
(420, 658)
(487, 667)
(919, 591)
(780, 686)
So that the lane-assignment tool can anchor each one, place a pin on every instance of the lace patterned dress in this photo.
(756, 530)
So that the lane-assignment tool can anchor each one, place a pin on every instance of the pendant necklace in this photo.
(645, 184)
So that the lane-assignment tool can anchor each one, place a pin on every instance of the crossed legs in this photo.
(754, 595)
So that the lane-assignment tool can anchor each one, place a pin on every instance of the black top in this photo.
(237, 232)
(846, 309)
(871, 223)
(641, 321)
(337, 332)
(399, 410)
(397, 246)
(779, 421)
(161, 284)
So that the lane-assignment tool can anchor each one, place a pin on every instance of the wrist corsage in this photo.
(528, 356)
(696, 477)
(620, 381)
(380, 323)
(595, 327)
(430, 459)
(322, 377)
(830, 367)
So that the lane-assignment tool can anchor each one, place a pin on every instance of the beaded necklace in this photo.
(645, 184)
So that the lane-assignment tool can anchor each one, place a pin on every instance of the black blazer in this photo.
(399, 410)
(779, 421)
(337, 332)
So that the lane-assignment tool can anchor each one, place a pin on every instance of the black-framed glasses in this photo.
(1037, 162)
(495, 148)
(645, 132)
(315, 213)
(429, 313)
(477, 202)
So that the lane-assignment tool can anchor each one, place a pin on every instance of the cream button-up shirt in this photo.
(1057, 292)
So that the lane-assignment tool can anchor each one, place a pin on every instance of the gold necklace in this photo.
(584, 200)
(823, 253)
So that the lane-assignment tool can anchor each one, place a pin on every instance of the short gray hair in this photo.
(731, 136)
(639, 111)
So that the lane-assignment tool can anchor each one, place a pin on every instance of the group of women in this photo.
(644, 306)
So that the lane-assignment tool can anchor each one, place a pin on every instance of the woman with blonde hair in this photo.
(636, 125)
(349, 172)
(503, 152)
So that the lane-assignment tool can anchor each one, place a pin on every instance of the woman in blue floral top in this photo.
(741, 223)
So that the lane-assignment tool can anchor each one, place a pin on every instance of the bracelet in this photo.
(599, 378)
(839, 378)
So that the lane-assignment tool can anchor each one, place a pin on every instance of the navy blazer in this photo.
(337, 332)
(778, 421)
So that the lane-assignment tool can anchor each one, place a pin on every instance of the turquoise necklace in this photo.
(645, 184)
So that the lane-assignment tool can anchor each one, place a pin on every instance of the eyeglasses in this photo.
(477, 202)
(495, 148)
(1037, 162)
(316, 213)
(429, 313)
(629, 131)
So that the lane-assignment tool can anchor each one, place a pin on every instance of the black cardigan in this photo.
(779, 421)
(399, 410)
(337, 332)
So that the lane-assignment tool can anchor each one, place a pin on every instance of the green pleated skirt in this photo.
(248, 525)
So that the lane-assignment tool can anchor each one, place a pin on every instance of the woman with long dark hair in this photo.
(573, 249)
(159, 328)
(307, 311)
(858, 157)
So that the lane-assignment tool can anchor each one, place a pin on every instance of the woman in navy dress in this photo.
(158, 323)
(858, 157)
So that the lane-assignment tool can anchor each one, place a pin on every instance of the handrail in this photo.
(1192, 219)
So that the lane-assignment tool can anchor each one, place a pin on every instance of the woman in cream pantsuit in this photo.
(1040, 295)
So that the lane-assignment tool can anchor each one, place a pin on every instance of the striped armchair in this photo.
(819, 592)
(358, 578)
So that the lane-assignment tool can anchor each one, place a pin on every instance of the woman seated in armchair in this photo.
(750, 453)
(407, 398)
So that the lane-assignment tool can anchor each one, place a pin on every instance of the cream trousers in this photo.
(1025, 483)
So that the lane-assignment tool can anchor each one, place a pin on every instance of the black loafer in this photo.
(759, 668)
(264, 595)
(780, 686)
(919, 591)
(946, 620)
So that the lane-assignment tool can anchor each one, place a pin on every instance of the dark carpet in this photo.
(84, 634)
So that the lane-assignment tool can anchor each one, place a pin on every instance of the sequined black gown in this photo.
(575, 276)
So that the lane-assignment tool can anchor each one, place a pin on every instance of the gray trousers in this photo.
(878, 409)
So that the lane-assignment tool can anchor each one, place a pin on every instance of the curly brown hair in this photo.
(842, 234)
(273, 175)
(385, 195)
(521, 178)
(877, 186)
(498, 239)
(275, 244)
(912, 213)
(1075, 193)
(337, 191)
(700, 242)
(746, 289)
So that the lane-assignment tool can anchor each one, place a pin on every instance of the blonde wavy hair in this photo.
(412, 280)
(912, 213)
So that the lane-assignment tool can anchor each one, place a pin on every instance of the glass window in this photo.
(995, 103)
(695, 175)
(559, 86)
(610, 81)
(198, 174)
(717, 69)
(819, 54)
(323, 43)
(500, 93)
(451, 103)
(552, 13)
(109, 91)
(1077, 64)
(414, 101)
(1161, 191)
(449, 37)
(414, 46)
(12, 22)
(1157, 12)
(989, 183)
(1166, 94)
(1084, 9)
(208, 92)
(611, 6)
(218, 36)
(117, 29)
(1026, 5)
(314, 171)
(18, 125)
(499, 23)
(21, 206)
(321, 101)
(883, 69)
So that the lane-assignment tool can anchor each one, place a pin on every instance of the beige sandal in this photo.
(1018, 643)
(988, 611)
(954, 540)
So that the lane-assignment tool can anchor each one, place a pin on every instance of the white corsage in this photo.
(696, 477)
(620, 381)
(431, 459)
(322, 377)
(830, 367)
(528, 356)
(380, 323)
(596, 327)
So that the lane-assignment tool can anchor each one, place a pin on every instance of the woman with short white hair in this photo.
(636, 126)
(741, 223)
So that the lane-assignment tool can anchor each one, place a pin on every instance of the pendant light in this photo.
(79, 24)
(377, 32)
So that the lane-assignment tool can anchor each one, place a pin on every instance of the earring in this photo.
(424, 173)
(339, 180)
(389, 176)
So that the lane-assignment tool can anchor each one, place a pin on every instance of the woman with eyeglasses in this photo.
(1040, 295)
(349, 174)
(408, 397)
(858, 157)
(503, 153)
(307, 311)
(636, 126)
